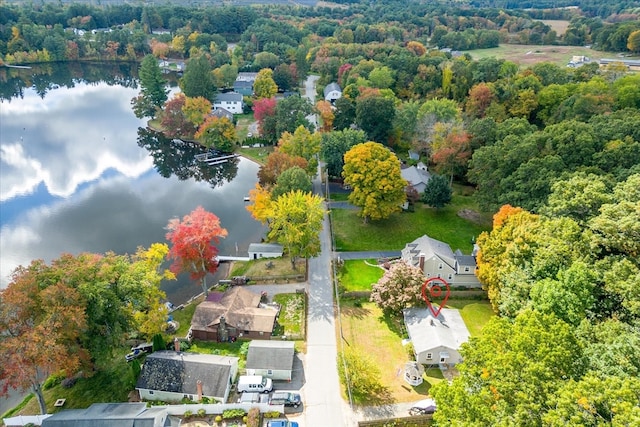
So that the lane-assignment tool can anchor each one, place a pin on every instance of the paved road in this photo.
(324, 405)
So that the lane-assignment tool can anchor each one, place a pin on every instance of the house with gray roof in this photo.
(272, 359)
(230, 101)
(332, 92)
(171, 376)
(112, 415)
(265, 250)
(436, 340)
(417, 176)
(220, 112)
(436, 259)
(235, 313)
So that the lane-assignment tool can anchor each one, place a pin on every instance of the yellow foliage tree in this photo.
(373, 172)
(260, 207)
(302, 143)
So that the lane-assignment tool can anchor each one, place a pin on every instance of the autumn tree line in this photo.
(56, 32)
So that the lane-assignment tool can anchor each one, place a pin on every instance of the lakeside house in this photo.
(171, 376)
(235, 313)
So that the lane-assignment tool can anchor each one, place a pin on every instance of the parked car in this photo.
(254, 383)
(138, 351)
(252, 397)
(423, 407)
(282, 423)
(285, 398)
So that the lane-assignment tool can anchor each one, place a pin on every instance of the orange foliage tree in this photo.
(39, 331)
(191, 249)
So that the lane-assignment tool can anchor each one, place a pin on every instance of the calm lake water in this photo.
(79, 172)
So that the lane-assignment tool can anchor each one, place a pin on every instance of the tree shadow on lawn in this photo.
(383, 396)
(354, 311)
(395, 324)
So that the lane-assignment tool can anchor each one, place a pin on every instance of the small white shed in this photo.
(265, 250)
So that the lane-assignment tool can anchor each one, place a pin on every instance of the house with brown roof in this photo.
(235, 313)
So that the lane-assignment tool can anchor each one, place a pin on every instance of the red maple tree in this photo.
(192, 250)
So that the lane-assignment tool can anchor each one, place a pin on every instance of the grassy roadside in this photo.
(356, 275)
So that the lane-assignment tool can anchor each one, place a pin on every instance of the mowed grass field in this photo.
(528, 55)
(448, 224)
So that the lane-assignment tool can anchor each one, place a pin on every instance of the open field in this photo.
(528, 55)
(560, 27)
(448, 224)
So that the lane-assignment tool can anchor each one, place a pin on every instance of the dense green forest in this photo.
(555, 151)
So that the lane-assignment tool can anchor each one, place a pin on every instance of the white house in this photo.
(272, 359)
(332, 92)
(230, 101)
(172, 375)
(436, 340)
(436, 259)
(417, 176)
(265, 250)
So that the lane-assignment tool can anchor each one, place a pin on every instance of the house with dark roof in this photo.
(230, 101)
(436, 340)
(112, 415)
(272, 359)
(235, 313)
(171, 376)
(332, 92)
(244, 87)
(436, 259)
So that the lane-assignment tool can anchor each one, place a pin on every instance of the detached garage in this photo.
(272, 359)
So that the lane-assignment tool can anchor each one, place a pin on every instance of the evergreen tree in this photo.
(153, 89)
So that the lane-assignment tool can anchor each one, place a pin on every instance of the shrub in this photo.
(253, 418)
(218, 418)
(53, 380)
(69, 382)
(272, 414)
(202, 412)
(188, 414)
(233, 413)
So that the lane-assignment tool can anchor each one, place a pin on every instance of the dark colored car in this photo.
(423, 407)
(286, 399)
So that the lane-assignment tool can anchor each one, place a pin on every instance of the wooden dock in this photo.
(213, 159)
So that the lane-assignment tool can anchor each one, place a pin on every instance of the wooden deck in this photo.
(211, 158)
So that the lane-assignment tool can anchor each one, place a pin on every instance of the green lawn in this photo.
(475, 313)
(258, 154)
(367, 329)
(351, 234)
(292, 314)
(356, 275)
(339, 197)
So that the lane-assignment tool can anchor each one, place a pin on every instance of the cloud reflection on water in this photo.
(108, 197)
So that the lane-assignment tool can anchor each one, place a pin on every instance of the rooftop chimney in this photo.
(421, 262)
(176, 344)
(199, 388)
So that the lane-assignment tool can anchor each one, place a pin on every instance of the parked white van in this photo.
(254, 383)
